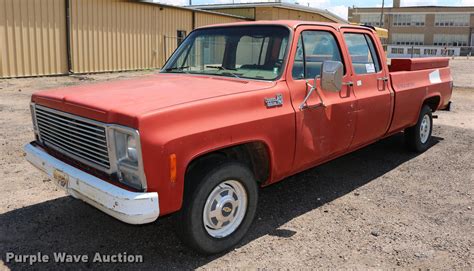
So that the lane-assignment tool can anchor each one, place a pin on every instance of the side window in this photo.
(314, 47)
(363, 53)
(298, 66)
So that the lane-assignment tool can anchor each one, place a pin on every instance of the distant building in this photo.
(274, 11)
(423, 30)
(55, 37)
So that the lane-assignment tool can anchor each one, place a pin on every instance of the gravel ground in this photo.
(379, 207)
(462, 72)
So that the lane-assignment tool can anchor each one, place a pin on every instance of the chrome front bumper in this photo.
(129, 207)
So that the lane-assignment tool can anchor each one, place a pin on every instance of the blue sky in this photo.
(339, 7)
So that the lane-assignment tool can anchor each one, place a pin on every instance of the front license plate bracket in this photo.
(61, 178)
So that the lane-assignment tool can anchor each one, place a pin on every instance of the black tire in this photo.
(191, 227)
(414, 135)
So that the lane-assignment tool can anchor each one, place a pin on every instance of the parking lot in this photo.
(379, 207)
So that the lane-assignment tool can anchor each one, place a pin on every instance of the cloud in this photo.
(340, 11)
(466, 3)
(409, 3)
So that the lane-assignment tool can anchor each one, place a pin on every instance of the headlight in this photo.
(128, 158)
(132, 149)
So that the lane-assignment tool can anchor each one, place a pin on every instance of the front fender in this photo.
(193, 129)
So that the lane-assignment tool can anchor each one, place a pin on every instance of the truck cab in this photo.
(237, 107)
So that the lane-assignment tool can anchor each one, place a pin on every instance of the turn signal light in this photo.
(173, 168)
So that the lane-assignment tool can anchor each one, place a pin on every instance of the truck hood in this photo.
(124, 101)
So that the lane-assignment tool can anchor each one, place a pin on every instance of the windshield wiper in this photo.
(221, 68)
(180, 69)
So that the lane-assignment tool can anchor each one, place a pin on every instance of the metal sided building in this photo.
(52, 37)
(274, 11)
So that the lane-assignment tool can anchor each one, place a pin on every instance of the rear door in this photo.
(321, 132)
(373, 96)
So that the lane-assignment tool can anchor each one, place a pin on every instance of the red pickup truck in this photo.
(237, 107)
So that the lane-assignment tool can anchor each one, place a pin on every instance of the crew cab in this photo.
(237, 107)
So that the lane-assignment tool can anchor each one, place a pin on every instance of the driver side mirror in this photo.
(331, 80)
(331, 75)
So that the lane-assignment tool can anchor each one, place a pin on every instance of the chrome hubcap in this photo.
(225, 209)
(425, 129)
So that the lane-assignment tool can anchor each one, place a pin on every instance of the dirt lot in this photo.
(462, 72)
(380, 207)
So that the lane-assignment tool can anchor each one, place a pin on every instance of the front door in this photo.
(370, 80)
(321, 131)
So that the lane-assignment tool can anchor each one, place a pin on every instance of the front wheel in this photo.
(217, 214)
(418, 137)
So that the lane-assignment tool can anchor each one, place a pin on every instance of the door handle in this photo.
(349, 83)
(384, 81)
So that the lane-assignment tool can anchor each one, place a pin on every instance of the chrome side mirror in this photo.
(331, 75)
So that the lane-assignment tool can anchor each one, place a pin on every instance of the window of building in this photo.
(414, 51)
(314, 47)
(180, 34)
(450, 40)
(371, 19)
(363, 54)
(430, 52)
(417, 20)
(397, 51)
(449, 20)
(408, 39)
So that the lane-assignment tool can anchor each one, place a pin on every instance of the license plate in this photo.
(61, 178)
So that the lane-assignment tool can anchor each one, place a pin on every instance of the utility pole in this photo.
(381, 14)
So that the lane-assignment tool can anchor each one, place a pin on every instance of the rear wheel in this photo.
(418, 137)
(217, 214)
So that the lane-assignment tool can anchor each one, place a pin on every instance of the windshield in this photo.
(255, 52)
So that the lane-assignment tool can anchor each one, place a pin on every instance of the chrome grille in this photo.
(79, 138)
